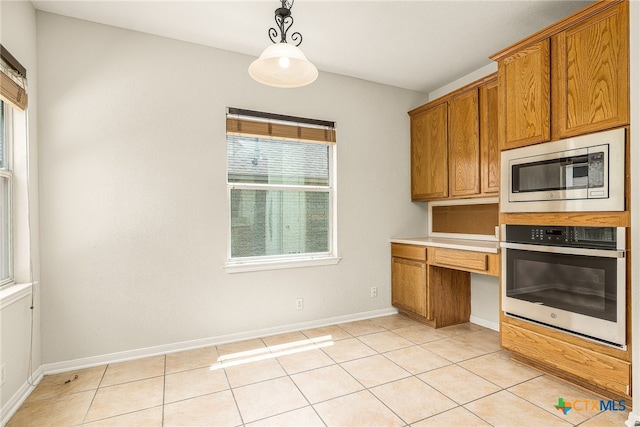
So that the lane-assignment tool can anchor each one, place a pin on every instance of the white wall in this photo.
(485, 300)
(134, 202)
(464, 80)
(18, 36)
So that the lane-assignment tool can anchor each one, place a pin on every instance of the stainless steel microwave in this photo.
(584, 173)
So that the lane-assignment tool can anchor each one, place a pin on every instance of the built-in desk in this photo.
(442, 242)
(431, 277)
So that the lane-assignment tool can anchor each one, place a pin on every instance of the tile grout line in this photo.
(411, 375)
(451, 363)
(389, 382)
(545, 409)
(300, 391)
(365, 388)
(84, 419)
(164, 390)
(456, 337)
(298, 388)
(235, 401)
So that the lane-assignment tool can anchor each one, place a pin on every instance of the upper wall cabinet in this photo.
(454, 146)
(524, 86)
(429, 178)
(489, 149)
(464, 144)
(591, 74)
(568, 79)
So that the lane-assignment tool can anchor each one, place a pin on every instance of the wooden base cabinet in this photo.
(409, 287)
(434, 295)
(602, 369)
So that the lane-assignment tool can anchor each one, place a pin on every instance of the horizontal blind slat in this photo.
(12, 93)
(240, 127)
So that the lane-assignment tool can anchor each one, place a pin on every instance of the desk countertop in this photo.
(443, 242)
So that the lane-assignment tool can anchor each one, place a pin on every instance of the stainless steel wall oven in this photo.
(568, 278)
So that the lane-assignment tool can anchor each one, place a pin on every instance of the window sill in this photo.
(14, 293)
(241, 267)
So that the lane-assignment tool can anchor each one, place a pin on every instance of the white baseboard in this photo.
(88, 362)
(19, 397)
(71, 365)
(484, 322)
(633, 420)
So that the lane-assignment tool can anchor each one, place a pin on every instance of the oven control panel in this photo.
(593, 237)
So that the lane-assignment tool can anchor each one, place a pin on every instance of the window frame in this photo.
(7, 173)
(272, 262)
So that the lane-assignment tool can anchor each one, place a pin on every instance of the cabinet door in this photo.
(489, 147)
(409, 286)
(464, 145)
(524, 85)
(429, 154)
(591, 74)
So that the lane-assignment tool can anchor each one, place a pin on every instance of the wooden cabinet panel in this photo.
(446, 136)
(429, 178)
(475, 262)
(450, 293)
(584, 60)
(591, 74)
(418, 253)
(409, 286)
(461, 259)
(436, 292)
(489, 144)
(524, 86)
(464, 145)
(597, 369)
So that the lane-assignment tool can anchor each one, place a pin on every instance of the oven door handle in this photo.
(564, 250)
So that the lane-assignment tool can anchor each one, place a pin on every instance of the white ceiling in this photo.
(418, 45)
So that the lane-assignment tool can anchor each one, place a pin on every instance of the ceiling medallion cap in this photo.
(283, 65)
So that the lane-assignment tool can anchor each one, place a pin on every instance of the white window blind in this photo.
(13, 80)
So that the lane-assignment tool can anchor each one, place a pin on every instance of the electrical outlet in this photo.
(3, 375)
(299, 303)
(374, 292)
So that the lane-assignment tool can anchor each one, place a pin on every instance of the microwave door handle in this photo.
(565, 250)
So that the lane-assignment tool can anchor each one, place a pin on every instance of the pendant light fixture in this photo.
(282, 64)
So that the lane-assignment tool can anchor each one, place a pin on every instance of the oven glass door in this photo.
(586, 285)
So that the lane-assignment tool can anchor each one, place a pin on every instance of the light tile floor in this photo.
(387, 371)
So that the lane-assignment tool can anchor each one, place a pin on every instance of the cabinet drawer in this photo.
(595, 368)
(409, 251)
(460, 259)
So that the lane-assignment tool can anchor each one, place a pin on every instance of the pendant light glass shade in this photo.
(283, 65)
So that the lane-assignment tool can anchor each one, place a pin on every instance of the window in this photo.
(281, 190)
(13, 105)
(6, 178)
